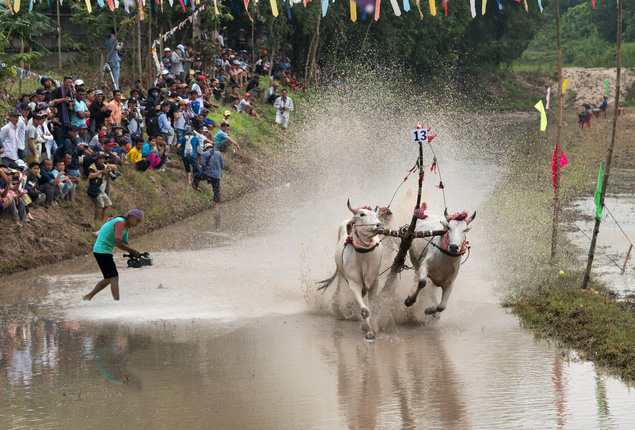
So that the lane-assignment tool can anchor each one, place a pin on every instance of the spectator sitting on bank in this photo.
(111, 157)
(203, 119)
(64, 185)
(49, 184)
(135, 155)
(9, 186)
(154, 152)
(32, 186)
(232, 98)
(584, 114)
(84, 139)
(73, 180)
(253, 87)
(188, 146)
(602, 107)
(226, 116)
(245, 106)
(211, 171)
(272, 93)
(97, 142)
(99, 172)
(222, 141)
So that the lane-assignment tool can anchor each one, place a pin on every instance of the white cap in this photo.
(164, 72)
(79, 82)
(205, 129)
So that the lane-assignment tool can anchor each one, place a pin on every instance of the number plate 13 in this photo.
(419, 135)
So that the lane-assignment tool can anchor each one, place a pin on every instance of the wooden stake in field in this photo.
(556, 197)
(605, 178)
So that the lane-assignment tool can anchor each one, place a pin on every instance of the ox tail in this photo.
(327, 282)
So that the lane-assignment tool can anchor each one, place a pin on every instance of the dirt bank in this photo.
(65, 231)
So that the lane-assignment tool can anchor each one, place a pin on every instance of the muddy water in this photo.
(227, 331)
(617, 232)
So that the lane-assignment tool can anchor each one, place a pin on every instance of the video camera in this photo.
(136, 262)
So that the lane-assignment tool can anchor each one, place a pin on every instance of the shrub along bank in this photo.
(553, 304)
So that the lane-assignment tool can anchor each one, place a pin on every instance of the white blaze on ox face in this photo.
(456, 234)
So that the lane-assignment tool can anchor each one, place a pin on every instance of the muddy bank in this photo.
(66, 230)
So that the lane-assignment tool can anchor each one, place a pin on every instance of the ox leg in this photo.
(356, 289)
(446, 290)
(423, 274)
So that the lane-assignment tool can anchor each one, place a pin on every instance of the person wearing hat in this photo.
(9, 139)
(79, 84)
(245, 106)
(81, 112)
(166, 60)
(113, 46)
(73, 147)
(99, 111)
(40, 95)
(25, 112)
(152, 100)
(113, 233)
(212, 163)
(272, 93)
(226, 115)
(47, 84)
(177, 63)
(139, 89)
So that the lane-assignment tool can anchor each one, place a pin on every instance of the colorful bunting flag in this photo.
(543, 115)
(548, 97)
(353, 8)
(433, 8)
(606, 86)
(598, 194)
(16, 6)
(564, 85)
(406, 5)
(377, 3)
(554, 161)
(325, 7)
(395, 7)
(473, 8)
(483, 8)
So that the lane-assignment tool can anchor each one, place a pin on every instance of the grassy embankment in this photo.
(553, 305)
(65, 231)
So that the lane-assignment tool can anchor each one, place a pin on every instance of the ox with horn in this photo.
(439, 259)
(358, 258)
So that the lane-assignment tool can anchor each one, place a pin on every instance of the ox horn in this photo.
(350, 208)
(470, 219)
(445, 214)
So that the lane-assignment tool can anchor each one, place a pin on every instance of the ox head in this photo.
(364, 221)
(456, 225)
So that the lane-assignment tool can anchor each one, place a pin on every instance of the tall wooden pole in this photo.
(59, 37)
(139, 40)
(556, 197)
(609, 157)
(406, 239)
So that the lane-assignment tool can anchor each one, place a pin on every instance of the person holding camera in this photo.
(99, 111)
(97, 173)
(283, 105)
(113, 233)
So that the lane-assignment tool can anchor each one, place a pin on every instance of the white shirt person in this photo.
(283, 105)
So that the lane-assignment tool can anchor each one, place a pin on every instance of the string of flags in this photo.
(367, 7)
(22, 73)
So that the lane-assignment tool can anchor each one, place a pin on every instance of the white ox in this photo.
(358, 258)
(440, 258)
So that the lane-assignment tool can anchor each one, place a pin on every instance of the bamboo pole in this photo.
(556, 197)
(59, 38)
(139, 41)
(21, 65)
(628, 255)
(406, 239)
(609, 157)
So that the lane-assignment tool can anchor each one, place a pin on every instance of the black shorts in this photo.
(107, 265)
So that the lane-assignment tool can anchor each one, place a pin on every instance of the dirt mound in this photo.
(588, 84)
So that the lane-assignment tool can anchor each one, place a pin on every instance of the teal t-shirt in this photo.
(106, 238)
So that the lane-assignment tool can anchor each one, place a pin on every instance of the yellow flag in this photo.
(353, 10)
(543, 115)
(16, 6)
(433, 7)
(484, 4)
(274, 7)
(564, 85)
(90, 7)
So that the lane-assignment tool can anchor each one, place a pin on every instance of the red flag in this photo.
(563, 161)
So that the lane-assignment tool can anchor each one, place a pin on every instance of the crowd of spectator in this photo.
(61, 135)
